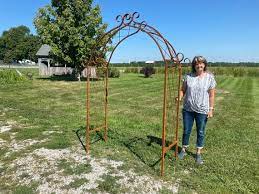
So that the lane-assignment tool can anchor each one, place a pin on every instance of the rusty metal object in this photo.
(170, 57)
(87, 138)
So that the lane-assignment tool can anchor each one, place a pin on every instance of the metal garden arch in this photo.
(171, 60)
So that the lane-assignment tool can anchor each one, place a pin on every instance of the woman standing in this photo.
(198, 91)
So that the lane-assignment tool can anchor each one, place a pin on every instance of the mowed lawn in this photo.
(43, 115)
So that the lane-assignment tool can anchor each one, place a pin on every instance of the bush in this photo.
(114, 72)
(147, 71)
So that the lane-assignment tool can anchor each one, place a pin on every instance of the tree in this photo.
(70, 27)
(17, 44)
(2, 48)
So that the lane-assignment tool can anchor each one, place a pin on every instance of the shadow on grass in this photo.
(159, 142)
(59, 78)
(187, 152)
(80, 133)
(143, 76)
(146, 149)
(132, 145)
(151, 143)
(68, 78)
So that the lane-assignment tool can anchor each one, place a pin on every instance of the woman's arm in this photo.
(211, 102)
(182, 92)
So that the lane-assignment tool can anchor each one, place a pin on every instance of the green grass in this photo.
(21, 189)
(231, 149)
(71, 168)
(109, 184)
(78, 182)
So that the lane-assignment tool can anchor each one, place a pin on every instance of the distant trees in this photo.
(70, 28)
(17, 43)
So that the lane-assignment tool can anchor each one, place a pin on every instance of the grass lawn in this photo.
(40, 150)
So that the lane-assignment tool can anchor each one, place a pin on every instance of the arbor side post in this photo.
(106, 103)
(177, 108)
(164, 120)
(87, 138)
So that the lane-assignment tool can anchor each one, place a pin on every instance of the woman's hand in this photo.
(177, 99)
(210, 114)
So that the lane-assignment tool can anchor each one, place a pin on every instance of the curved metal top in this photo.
(129, 22)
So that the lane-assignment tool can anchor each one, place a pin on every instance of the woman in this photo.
(198, 90)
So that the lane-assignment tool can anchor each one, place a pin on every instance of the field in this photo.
(41, 120)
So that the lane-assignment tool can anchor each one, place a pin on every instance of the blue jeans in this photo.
(200, 120)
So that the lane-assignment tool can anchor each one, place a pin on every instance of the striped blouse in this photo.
(197, 88)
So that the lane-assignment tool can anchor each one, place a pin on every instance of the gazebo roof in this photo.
(44, 50)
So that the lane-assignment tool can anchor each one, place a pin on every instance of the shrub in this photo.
(114, 72)
(147, 71)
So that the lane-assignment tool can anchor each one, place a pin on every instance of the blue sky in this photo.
(223, 30)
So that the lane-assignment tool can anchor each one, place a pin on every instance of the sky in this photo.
(222, 30)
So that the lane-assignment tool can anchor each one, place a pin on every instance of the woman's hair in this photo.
(199, 59)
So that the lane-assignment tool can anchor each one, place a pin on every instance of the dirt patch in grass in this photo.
(14, 145)
(49, 168)
(5, 128)
(9, 125)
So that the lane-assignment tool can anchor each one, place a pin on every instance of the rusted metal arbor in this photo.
(171, 60)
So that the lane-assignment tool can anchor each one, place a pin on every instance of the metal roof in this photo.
(44, 50)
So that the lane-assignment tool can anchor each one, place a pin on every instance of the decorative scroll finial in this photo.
(179, 58)
(131, 19)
